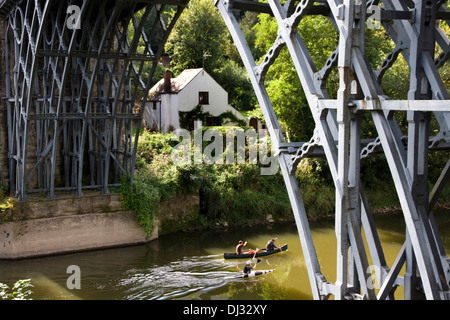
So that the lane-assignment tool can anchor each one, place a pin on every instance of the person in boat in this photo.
(271, 245)
(248, 268)
(253, 251)
(240, 246)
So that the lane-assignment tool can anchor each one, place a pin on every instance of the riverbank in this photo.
(44, 227)
(167, 197)
(186, 219)
(234, 194)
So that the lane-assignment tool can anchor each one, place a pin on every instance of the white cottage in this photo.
(193, 87)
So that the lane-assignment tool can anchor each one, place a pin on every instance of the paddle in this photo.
(257, 261)
(279, 246)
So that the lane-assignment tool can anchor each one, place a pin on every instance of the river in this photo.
(191, 265)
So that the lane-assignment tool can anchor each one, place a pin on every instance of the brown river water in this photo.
(190, 266)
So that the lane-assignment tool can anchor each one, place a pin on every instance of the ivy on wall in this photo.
(187, 118)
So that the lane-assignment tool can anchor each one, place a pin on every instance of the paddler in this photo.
(240, 246)
(271, 245)
(248, 268)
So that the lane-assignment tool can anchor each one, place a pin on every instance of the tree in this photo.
(199, 31)
(321, 39)
(200, 38)
(235, 81)
(283, 85)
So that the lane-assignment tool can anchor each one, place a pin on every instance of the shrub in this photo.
(237, 193)
(143, 196)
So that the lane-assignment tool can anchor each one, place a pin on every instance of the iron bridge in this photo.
(75, 77)
(414, 28)
(71, 96)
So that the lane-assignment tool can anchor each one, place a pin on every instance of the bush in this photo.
(152, 144)
(236, 193)
(143, 196)
(316, 187)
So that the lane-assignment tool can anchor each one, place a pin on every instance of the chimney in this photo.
(167, 82)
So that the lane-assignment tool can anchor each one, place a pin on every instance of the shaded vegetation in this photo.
(237, 193)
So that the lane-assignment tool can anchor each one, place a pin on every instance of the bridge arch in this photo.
(75, 78)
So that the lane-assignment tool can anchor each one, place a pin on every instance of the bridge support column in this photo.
(339, 130)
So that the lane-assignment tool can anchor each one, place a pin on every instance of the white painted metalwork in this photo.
(70, 89)
(412, 26)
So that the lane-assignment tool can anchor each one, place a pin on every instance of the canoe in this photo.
(233, 255)
(256, 273)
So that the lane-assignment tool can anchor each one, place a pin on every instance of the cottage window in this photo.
(203, 97)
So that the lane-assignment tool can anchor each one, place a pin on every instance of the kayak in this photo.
(256, 273)
(233, 255)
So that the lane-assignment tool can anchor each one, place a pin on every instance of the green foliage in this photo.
(156, 178)
(143, 197)
(156, 39)
(19, 291)
(4, 189)
(7, 206)
(236, 193)
(283, 84)
(199, 30)
(317, 187)
(229, 117)
(240, 194)
(151, 144)
(7, 203)
(436, 163)
(188, 118)
(234, 80)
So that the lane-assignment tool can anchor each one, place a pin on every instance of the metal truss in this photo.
(413, 28)
(74, 75)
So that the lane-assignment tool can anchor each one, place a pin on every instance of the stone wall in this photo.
(178, 213)
(65, 234)
(65, 204)
(44, 227)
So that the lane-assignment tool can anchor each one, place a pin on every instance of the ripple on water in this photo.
(179, 278)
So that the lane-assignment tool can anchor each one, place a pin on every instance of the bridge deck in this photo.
(6, 6)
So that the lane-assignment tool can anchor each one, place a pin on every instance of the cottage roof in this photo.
(177, 84)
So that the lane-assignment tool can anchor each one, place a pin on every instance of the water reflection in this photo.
(191, 266)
